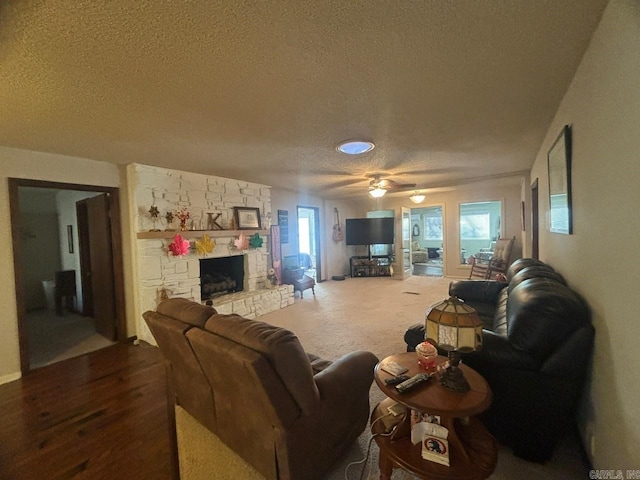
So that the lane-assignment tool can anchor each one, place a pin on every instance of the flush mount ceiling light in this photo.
(417, 197)
(355, 147)
(377, 192)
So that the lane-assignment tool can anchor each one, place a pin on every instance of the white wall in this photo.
(600, 260)
(25, 164)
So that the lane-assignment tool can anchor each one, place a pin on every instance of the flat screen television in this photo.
(370, 231)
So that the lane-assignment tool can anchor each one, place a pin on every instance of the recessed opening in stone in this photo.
(219, 276)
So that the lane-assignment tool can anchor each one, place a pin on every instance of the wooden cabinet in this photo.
(377, 266)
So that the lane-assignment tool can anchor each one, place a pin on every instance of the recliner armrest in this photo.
(477, 290)
(350, 373)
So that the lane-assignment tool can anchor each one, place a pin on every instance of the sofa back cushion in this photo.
(186, 311)
(499, 325)
(535, 271)
(541, 314)
(521, 263)
(253, 407)
(279, 347)
(190, 385)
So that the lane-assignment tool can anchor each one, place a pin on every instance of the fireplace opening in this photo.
(219, 276)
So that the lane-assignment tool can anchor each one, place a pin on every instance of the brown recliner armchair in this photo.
(288, 414)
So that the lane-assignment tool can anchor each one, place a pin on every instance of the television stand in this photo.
(371, 266)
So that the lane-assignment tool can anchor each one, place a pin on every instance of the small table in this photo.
(301, 284)
(473, 452)
(300, 281)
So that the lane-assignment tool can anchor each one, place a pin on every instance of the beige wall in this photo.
(601, 258)
(335, 255)
(507, 191)
(39, 166)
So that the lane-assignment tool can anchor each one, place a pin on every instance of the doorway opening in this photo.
(309, 241)
(68, 269)
(427, 241)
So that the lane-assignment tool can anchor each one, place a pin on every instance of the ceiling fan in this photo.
(379, 186)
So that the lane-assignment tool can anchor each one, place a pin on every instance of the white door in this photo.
(402, 262)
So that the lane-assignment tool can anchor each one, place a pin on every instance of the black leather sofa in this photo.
(537, 346)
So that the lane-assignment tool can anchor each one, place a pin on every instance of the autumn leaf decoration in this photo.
(255, 240)
(179, 246)
(242, 242)
(205, 245)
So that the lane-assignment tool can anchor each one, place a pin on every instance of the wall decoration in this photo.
(205, 245)
(247, 218)
(183, 215)
(559, 158)
(272, 279)
(283, 222)
(416, 230)
(179, 246)
(169, 218)
(212, 221)
(154, 213)
(242, 242)
(70, 237)
(255, 240)
(276, 254)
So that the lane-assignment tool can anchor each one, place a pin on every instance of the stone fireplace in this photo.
(160, 274)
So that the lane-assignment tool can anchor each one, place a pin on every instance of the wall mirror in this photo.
(559, 158)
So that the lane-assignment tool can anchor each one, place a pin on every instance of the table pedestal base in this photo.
(473, 452)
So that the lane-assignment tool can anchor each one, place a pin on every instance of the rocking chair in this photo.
(486, 269)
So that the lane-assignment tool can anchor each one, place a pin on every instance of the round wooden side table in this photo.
(473, 452)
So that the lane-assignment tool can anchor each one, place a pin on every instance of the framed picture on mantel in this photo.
(247, 218)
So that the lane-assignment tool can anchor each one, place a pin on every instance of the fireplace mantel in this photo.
(198, 233)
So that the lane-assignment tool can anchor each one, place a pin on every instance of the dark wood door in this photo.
(101, 271)
(535, 220)
(84, 250)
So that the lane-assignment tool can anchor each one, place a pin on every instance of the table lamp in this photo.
(455, 327)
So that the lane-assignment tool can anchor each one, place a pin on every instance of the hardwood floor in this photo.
(103, 415)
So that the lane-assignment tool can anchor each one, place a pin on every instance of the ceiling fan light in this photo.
(355, 147)
(417, 197)
(377, 192)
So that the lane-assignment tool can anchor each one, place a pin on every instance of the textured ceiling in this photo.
(265, 90)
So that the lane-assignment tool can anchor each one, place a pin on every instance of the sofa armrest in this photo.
(346, 376)
(486, 291)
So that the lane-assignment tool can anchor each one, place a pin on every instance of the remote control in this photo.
(412, 382)
(397, 379)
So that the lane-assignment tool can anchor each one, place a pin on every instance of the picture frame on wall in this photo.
(559, 165)
(247, 218)
(283, 222)
(70, 238)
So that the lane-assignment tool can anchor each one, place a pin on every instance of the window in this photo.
(433, 228)
(475, 226)
(479, 227)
